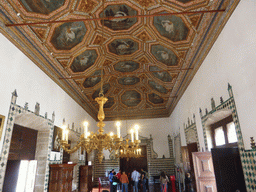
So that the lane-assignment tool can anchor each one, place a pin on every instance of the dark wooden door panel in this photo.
(137, 163)
(11, 176)
(228, 169)
(23, 143)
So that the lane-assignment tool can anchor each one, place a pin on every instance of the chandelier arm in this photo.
(65, 146)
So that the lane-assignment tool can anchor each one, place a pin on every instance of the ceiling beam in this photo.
(110, 18)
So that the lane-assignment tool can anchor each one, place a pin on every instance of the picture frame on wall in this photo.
(2, 118)
(57, 134)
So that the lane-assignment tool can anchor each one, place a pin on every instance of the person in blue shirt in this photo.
(111, 175)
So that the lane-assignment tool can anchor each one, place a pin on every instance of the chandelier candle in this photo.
(64, 127)
(118, 129)
(132, 136)
(85, 130)
(136, 132)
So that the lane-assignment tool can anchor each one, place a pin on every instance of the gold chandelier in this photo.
(90, 141)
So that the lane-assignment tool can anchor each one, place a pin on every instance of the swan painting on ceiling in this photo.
(160, 74)
(126, 66)
(171, 27)
(132, 80)
(157, 87)
(119, 11)
(131, 98)
(123, 46)
(84, 61)
(68, 35)
(42, 6)
(93, 80)
(156, 99)
(164, 55)
(105, 88)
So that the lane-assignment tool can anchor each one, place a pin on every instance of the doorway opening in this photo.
(128, 165)
(225, 155)
(19, 164)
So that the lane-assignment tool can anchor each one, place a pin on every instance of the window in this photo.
(223, 133)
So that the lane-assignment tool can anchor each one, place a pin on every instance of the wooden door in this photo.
(204, 172)
(61, 176)
(192, 147)
(228, 169)
(137, 163)
(85, 178)
(185, 159)
(11, 175)
(23, 143)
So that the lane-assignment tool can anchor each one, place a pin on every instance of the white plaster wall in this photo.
(159, 129)
(232, 60)
(19, 72)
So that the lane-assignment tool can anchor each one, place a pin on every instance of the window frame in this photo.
(222, 123)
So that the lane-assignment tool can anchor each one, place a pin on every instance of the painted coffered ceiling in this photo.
(148, 52)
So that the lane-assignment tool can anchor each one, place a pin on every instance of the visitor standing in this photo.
(145, 173)
(115, 182)
(135, 178)
(118, 175)
(143, 182)
(125, 181)
(111, 176)
(164, 181)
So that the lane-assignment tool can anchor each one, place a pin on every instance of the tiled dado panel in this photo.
(248, 157)
(159, 164)
(101, 168)
(43, 170)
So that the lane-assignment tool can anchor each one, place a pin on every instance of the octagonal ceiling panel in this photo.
(128, 80)
(106, 88)
(172, 27)
(155, 99)
(126, 66)
(160, 74)
(119, 11)
(68, 35)
(131, 98)
(164, 55)
(148, 59)
(123, 46)
(93, 80)
(84, 61)
(157, 87)
(41, 6)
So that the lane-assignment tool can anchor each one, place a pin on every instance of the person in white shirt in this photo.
(135, 178)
